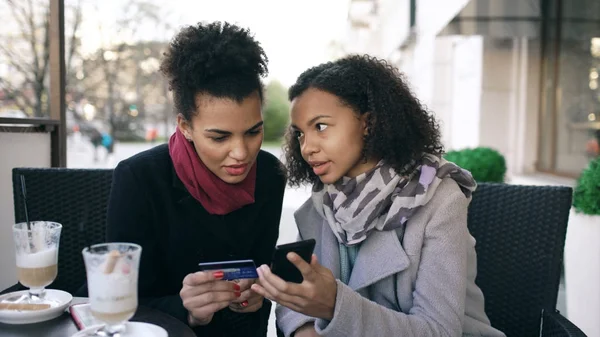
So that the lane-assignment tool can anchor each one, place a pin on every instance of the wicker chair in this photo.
(75, 198)
(520, 233)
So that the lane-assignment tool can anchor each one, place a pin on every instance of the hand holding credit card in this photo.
(232, 270)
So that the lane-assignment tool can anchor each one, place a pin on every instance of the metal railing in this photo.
(39, 125)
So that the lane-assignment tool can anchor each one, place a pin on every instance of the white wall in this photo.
(530, 104)
(421, 76)
(394, 24)
(509, 101)
(434, 15)
(443, 85)
(445, 73)
(16, 150)
(431, 68)
(497, 94)
(466, 105)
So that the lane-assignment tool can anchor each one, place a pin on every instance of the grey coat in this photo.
(422, 287)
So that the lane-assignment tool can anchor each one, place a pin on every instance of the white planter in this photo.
(582, 272)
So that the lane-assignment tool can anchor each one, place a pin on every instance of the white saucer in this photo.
(132, 329)
(59, 299)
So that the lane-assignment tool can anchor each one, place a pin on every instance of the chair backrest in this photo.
(520, 233)
(75, 198)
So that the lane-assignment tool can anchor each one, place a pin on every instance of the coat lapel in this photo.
(330, 253)
(379, 256)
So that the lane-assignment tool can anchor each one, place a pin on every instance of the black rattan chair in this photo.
(520, 233)
(75, 198)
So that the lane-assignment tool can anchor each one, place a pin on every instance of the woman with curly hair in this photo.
(208, 195)
(389, 214)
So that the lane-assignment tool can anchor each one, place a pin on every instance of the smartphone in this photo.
(232, 270)
(283, 268)
(82, 316)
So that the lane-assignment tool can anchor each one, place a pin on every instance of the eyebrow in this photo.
(223, 132)
(312, 121)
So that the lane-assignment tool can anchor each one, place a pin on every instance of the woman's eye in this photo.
(321, 126)
(298, 134)
(219, 139)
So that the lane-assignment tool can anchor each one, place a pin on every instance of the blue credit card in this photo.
(232, 270)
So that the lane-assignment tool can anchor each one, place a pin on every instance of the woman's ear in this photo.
(365, 122)
(185, 127)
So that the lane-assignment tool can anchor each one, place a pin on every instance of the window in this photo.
(570, 109)
(24, 58)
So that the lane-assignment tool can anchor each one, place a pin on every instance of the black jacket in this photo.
(150, 206)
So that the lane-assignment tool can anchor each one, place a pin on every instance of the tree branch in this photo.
(20, 15)
(46, 49)
(16, 61)
(16, 93)
(73, 37)
(33, 37)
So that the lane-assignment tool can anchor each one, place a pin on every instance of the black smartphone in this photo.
(283, 268)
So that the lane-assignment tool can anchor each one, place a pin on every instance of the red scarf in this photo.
(217, 196)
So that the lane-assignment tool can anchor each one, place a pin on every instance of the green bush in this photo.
(484, 163)
(586, 198)
(276, 112)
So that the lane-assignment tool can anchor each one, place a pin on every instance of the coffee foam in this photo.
(113, 293)
(45, 258)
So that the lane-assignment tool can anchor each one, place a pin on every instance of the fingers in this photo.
(305, 269)
(314, 261)
(203, 294)
(245, 296)
(260, 290)
(212, 286)
(253, 304)
(210, 299)
(244, 284)
(275, 288)
(207, 310)
(201, 277)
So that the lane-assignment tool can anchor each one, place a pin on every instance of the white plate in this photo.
(132, 329)
(59, 299)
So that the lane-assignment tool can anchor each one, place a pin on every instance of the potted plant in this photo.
(582, 252)
(484, 163)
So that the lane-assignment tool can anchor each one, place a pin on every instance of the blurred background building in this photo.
(520, 76)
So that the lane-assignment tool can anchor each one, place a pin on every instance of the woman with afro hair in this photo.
(389, 214)
(208, 195)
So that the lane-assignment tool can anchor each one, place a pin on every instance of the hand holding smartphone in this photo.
(283, 268)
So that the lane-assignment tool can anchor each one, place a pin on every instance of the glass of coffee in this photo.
(36, 248)
(112, 278)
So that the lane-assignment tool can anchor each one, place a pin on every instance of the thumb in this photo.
(314, 261)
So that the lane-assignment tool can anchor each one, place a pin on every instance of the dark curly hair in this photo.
(400, 129)
(219, 59)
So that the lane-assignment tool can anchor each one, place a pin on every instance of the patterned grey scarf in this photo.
(380, 199)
